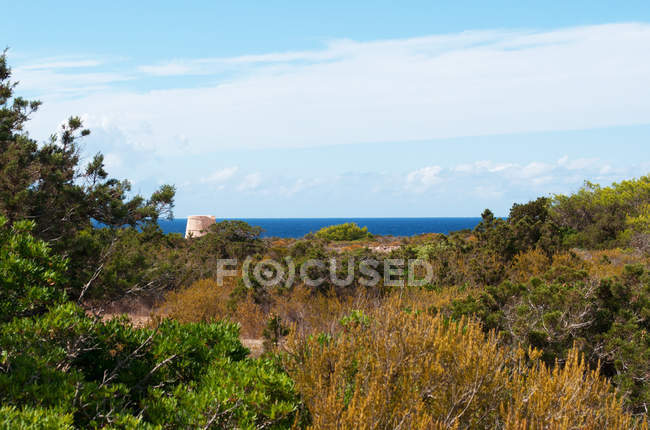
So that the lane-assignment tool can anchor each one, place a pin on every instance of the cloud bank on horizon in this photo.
(295, 129)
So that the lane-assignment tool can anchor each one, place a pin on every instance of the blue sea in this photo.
(298, 227)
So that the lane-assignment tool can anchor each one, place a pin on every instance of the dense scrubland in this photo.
(539, 320)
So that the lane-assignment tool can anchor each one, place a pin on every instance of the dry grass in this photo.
(300, 307)
(205, 300)
(611, 262)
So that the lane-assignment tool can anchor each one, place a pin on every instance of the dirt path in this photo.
(256, 346)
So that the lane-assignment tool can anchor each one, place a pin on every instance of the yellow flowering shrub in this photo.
(528, 264)
(392, 368)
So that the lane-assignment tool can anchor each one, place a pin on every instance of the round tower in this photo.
(198, 225)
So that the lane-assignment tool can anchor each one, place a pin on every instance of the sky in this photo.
(344, 109)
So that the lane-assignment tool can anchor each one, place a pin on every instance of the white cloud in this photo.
(418, 89)
(428, 191)
(483, 166)
(220, 175)
(541, 176)
(512, 176)
(299, 185)
(580, 163)
(488, 192)
(532, 170)
(251, 182)
(166, 69)
(465, 84)
(112, 161)
(464, 168)
(422, 179)
(482, 179)
(500, 167)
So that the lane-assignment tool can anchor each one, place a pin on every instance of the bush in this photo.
(145, 261)
(33, 419)
(528, 226)
(601, 217)
(347, 231)
(533, 263)
(106, 373)
(606, 319)
(415, 370)
(31, 277)
(242, 394)
(230, 239)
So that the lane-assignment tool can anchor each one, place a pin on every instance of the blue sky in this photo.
(286, 109)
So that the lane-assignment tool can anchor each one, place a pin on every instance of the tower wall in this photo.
(197, 225)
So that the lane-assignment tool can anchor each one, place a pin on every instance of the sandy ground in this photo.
(256, 346)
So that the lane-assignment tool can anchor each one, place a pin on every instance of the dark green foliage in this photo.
(60, 367)
(532, 226)
(46, 183)
(176, 374)
(274, 331)
(31, 278)
(528, 226)
(146, 261)
(494, 235)
(609, 320)
(18, 169)
(229, 239)
(127, 261)
(33, 419)
(243, 394)
(487, 267)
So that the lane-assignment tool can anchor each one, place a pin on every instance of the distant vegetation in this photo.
(537, 320)
(347, 231)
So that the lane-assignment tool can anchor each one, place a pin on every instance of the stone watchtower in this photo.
(198, 225)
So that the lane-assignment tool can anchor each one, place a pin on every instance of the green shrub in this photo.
(347, 231)
(528, 226)
(274, 331)
(12, 418)
(601, 217)
(105, 373)
(30, 275)
(232, 394)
